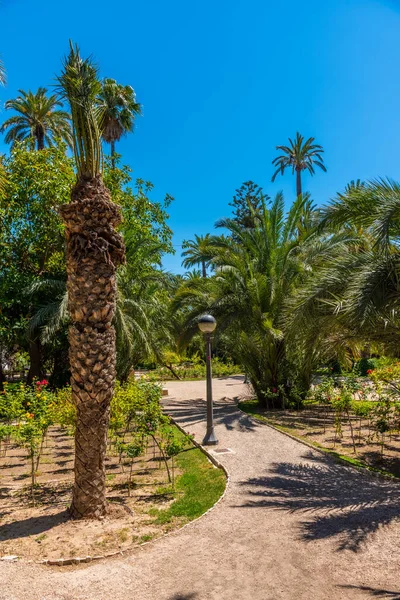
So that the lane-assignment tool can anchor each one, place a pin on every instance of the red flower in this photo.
(369, 371)
(43, 382)
(274, 390)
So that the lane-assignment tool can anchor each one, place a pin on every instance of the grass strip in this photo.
(197, 488)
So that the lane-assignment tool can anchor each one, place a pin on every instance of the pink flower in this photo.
(274, 390)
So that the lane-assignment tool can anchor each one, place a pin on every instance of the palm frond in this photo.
(79, 84)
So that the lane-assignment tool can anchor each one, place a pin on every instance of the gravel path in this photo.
(292, 525)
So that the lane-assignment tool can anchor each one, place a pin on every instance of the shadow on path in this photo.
(189, 412)
(376, 593)
(348, 505)
(190, 596)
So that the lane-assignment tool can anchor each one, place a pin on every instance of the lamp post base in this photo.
(210, 439)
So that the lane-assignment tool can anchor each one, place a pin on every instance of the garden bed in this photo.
(318, 426)
(146, 509)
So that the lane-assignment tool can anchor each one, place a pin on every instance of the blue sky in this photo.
(223, 82)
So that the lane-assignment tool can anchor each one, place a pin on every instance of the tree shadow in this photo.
(349, 505)
(189, 596)
(190, 412)
(31, 526)
(376, 593)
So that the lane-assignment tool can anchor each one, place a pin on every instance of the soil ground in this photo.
(44, 531)
(315, 424)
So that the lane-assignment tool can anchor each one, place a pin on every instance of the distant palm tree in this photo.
(38, 119)
(3, 78)
(197, 252)
(119, 111)
(94, 251)
(300, 155)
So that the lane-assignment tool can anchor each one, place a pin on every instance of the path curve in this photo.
(292, 525)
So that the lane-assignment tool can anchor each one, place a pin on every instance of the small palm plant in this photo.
(300, 155)
(39, 119)
(94, 251)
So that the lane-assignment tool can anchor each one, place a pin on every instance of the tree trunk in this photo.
(61, 373)
(112, 154)
(2, 376)
(204, 268)
(94, 250)
(40, 138)
(298, 183)
(35, 359)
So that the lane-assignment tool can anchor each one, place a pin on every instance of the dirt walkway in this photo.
(293, 525)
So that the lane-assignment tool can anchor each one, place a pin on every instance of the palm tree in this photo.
(120, 109)
(370, 301)
(352, 300)
(197, 252)
(256, 271)
(300, 155)
(38, 119)
(94, 251)
(3, 78)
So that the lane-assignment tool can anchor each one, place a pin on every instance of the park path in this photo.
(292, 525)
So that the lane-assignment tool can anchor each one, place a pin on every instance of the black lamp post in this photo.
(207, 324)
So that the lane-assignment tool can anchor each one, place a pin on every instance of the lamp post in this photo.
(207, 324)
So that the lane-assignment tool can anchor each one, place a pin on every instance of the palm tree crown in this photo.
(300, 155)
(38, 119)
(80, 86)
(119, 107)
(197, 252)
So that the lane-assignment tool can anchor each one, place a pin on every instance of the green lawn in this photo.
(198, 487)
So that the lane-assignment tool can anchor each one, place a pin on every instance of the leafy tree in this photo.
(31, 241)
(94, 251)
(300, 155)
(247, 204)
(38, 119)
(119, 110)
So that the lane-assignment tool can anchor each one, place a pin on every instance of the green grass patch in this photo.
(196, 490)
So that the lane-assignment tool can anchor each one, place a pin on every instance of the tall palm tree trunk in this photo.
(298, 183)
(204, 269)
(39, 134)
(35, 361)
(112, 143)
(94, 250)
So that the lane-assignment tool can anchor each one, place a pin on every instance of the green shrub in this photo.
(364, 365)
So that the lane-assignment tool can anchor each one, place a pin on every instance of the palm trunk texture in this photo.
(298, 183)
(94, 250)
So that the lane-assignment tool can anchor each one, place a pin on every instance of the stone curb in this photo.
(64, 562)
(326, 452)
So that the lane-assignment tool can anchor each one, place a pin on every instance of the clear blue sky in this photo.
(223, 82)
